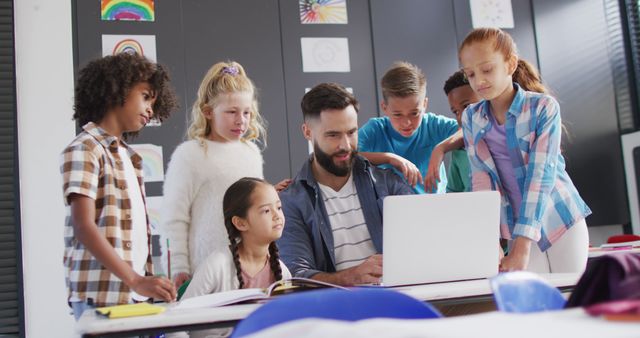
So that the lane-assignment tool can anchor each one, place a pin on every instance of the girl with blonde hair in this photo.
(221, 148)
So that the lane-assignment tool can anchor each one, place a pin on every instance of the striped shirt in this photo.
(550, 202)
(91, 166)
(351, 238)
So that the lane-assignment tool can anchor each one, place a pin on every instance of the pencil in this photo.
(168, 260)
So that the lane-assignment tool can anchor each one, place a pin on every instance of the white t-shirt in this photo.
(139, 240)
(352, 243)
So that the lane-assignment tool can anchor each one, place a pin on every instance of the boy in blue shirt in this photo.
(405, 137)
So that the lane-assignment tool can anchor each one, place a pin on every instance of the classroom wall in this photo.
(574, 62)
(44, 80)
(44, 66)
(425, 32)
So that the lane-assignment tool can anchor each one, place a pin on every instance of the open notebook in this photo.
(284, 286)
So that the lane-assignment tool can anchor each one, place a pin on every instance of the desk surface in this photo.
(565, 323)
(90, 324)
(475, 288)
(597, 252)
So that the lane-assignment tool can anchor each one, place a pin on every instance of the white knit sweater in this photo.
(193, 190)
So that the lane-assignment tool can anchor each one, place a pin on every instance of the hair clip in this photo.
(231, 70)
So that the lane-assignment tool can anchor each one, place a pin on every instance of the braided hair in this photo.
(236, 202)
(274, 261)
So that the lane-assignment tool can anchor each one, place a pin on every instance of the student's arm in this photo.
(179, 192)
(409, 170)
(452, 142)
(367, 272)
(86, 231)
(368, 136)
(538, 184)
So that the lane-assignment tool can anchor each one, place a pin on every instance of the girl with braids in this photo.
(512, 139)
(254, 221)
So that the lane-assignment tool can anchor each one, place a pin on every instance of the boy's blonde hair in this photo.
(224, 78)
(403, 79)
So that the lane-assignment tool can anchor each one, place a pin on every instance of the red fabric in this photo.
(615, 308)
(610, 277)
(623, 238)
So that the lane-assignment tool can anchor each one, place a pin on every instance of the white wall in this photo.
(44, 72)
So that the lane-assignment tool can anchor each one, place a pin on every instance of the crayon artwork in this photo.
(127, 10)
(323, 11)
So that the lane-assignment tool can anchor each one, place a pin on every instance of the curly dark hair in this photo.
(104, 83)
(458, 79)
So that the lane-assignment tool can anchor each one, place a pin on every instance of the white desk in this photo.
(475, 288)
(91, 325)
(597, 252)
(565, 323)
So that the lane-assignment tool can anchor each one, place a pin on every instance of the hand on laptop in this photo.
(518, 257)
(368, 272)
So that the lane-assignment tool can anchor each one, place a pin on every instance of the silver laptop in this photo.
(440, 238)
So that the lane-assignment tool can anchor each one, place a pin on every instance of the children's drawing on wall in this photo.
(491, 13)
(152, 161)
(142, 44)
(127, 10)
(154, 203)
(349, 89)
(323, 11)
(325, 55)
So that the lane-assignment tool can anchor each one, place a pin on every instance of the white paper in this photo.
(491, 13)
(349, 89)
(325, 55)
(152, 161)
(220, 299)
(142, 44)
(154, 205)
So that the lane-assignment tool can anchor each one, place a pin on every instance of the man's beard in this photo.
(326, 160)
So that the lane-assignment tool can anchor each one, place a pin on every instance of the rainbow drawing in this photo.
(144, 45)
(323, 11)
(129, 46)
(154, 205)
(152, 161)
(129, 10)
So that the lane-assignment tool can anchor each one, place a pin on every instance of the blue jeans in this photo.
(79, 308)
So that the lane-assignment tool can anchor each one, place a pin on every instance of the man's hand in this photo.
(367, 272)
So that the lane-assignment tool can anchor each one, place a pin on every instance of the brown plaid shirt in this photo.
(91, 166)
